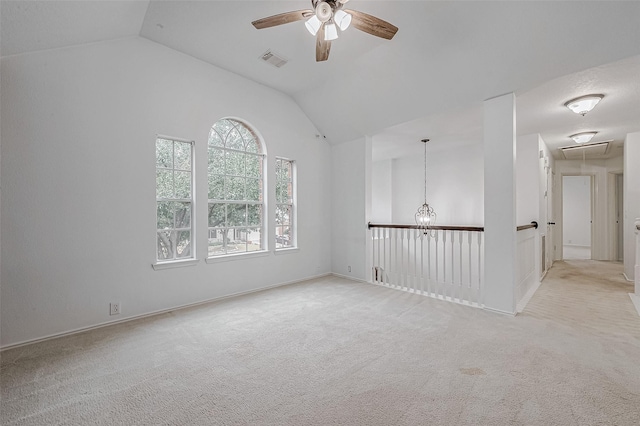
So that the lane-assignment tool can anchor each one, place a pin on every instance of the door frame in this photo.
(560, 220)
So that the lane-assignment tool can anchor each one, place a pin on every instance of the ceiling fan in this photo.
(324, 20)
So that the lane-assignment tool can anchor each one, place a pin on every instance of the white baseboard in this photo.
(153, 313)
(627, 278)
(527, 297)
(636, 301)
(501, 312)
(350, 278)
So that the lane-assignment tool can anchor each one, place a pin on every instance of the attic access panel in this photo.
(592, 150)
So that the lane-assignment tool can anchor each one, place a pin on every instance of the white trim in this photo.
(636, 301)
(237, 256)
(174, 264)
(158, 312)
(527, 297)
(286, 250)
(498, 311)
(627, 278)
(172, 138)
(351, 278)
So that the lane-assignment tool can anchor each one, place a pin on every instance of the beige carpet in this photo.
(330, 352)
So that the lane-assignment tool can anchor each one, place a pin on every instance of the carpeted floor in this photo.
(336, 352)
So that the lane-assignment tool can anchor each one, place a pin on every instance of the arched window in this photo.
(236, 189)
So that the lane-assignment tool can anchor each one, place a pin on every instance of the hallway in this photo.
(587, 295)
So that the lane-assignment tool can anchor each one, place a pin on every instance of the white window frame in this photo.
(192, 258)
(263, 195)
(293, 222)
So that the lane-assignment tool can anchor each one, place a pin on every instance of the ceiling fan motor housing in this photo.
(324, 11)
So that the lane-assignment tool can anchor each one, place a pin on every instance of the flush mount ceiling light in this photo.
(325, 19)
(583, 104)
(583, 137)
(425, 216)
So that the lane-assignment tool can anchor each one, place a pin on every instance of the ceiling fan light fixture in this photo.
(583, 137)
(583, 104)
(330, 31)
(324, 11)
(343, 19)
(313, 25)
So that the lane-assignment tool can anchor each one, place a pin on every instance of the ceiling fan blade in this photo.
(372, 25)
(322, 46)
(342, 1)
(283, 18)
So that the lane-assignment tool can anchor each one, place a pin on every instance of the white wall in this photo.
(454, 186)
(78, 183)
(602, 171)
(349, 219)
(631, 199)
(527, 179)
(381, 193)
(576, 210)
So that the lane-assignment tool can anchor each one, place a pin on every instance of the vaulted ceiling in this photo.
(446, 58)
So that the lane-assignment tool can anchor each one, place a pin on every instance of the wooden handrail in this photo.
(370, 225)
(445, 228)
(533, 225)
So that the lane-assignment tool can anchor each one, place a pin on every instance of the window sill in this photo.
(286, 250)
(174, 264)
(237, 256)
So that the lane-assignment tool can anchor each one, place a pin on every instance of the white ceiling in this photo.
(445, 60)
(539, 110)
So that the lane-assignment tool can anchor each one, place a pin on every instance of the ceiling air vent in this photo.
(586, 150)
(273, 59)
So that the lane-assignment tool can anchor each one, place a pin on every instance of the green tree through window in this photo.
(236, 189)
(285, 204)
(174, 199)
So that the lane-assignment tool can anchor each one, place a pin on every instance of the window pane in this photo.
(216, 242)
(235, 163)
(254, 238)
(253, 190)
(283, 215)
(223, 127)
(254, 166)
(283, 190)
(236, 214)
(237, 240)
(215, 139)
(234, 140)
(182, 155)
(164, 153)
(286, 170)
(280, 174)
(183, 246)
(182, 215)
(216, 215)
(182, 184)
(216, 161)
(283, 237)
(216, 187)
(230, 243)
(247, 136)
(254, 215)
(234, 188)
(164, 184)
(165, 245)
(164, 215)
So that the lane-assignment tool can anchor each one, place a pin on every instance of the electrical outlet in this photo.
(114, 308)
(349, 267)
